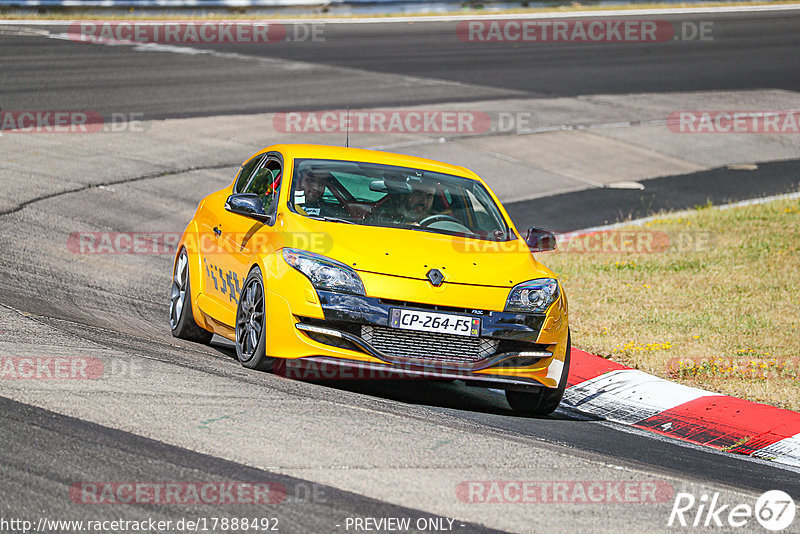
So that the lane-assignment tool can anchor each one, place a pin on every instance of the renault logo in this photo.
(435, 277)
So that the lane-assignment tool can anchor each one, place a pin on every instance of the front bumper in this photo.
(510, 354)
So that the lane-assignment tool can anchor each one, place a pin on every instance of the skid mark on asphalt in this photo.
(286, 65)
(105, 185)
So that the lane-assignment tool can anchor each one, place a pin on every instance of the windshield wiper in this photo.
(331, 219)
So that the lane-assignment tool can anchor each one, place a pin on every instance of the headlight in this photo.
(324, 273)
(534, 296)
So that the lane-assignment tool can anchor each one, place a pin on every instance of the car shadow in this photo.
(438, 393)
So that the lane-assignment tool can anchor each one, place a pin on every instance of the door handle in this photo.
(217, 231)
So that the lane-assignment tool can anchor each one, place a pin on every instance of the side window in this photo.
(245, 172)
(266, 183)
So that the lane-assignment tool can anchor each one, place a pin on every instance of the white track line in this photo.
(682, 213)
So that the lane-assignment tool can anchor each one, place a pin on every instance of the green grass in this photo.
(715, 305)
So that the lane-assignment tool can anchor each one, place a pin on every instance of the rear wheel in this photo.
(251, 334)
(542, 401)
(181, 317)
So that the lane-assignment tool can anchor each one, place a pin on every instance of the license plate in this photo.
(440, 323)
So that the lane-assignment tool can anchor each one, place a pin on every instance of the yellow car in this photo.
(377, 264)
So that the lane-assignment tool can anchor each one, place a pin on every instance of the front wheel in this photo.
(544, 400)
(181, 317)
(251, 332)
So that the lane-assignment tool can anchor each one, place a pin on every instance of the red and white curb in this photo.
(617, 393)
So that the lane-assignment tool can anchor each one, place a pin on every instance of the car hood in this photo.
(413, 253)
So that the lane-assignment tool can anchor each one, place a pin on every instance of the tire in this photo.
(543, 401)
(181, 316)
(251, 332)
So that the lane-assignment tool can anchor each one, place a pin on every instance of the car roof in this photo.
(371, 156)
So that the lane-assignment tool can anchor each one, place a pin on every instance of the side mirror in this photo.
(540, 240)
(248, 205)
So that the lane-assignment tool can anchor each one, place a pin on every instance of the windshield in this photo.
(382, 195)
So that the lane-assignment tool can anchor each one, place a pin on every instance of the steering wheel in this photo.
(439, 218)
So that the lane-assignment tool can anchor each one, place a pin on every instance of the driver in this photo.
(310, 189)
(411, 207)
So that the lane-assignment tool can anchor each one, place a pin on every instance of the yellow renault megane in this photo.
(387, 264)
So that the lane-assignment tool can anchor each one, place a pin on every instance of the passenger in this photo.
(409, 208)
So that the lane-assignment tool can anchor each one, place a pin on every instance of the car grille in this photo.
(428, 346)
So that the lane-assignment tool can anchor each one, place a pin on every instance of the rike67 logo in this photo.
(774, 510)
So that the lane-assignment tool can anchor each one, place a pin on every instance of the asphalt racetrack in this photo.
(423, 63)
(177, 411)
